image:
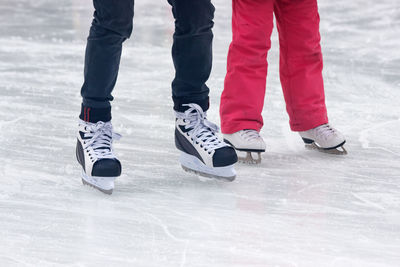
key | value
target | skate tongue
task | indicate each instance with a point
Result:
(195, 112)
(100, 138)
(200, 127)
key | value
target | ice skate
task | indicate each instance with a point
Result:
(203, 152)
(324, 138)
(249, 145)
(95, 154)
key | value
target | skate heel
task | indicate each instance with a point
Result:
(194, 165)
(307, 141)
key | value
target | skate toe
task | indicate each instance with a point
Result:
(107, 168)
(224, 156)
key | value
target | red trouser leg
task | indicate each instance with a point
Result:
(301, 63)
(242, 100)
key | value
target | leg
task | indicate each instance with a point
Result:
(111, 26)
(192, 52)
(301, 63)
(242, 100)
(201, 150)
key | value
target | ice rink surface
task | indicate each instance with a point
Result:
(298, 208)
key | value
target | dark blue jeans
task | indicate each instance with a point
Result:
(191, 52)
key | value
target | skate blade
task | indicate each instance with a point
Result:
(249, 159)
(108, 192)
(96, 183)
(208, 175)
(192, 164)
(340, 150)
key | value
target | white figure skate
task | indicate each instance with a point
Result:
(324, 138)
(247, 143)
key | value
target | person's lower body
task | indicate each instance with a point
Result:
(192, 56)
(300, 68)
(300, 64)
(191, 52)
(111, 26)
(201, 150)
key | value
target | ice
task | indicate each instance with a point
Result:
(298, 208)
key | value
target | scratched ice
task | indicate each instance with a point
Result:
(298, 208)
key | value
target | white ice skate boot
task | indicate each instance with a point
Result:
(94, 152)
(324, 138)
(247, 142)
(202, 151)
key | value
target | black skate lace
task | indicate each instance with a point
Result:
(99, 137)
(202, 131)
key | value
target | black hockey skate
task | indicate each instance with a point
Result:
(202, 151)
(95, 154)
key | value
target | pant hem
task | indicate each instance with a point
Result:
(301, 127)
(230, 128)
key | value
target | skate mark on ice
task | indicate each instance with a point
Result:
(364, 134)
(181, 199)
(169, 195)
(368, 202)
(14, 261)
(164, 227)
(4, 123)
(184, 253)
(313, 186)
(172, 236)
(212, 226)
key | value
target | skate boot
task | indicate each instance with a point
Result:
(202, 151)
(95, 154)
(247, 143)
(324, 138)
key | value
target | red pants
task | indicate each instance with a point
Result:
(300, 64)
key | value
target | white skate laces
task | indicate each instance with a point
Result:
(202, 130)
(99, 136)
(325, 132)
(248, 144)
(250, 135)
